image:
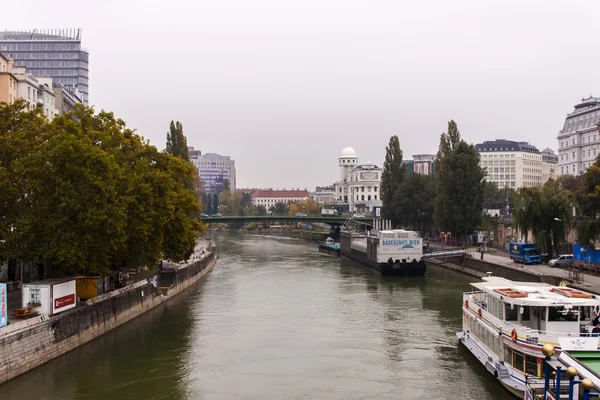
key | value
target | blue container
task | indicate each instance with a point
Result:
(586, 253)
(3, 305)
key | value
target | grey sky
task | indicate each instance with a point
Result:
(282, 86)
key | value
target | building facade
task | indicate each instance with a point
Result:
(324, 194)
(578, 140)
(511, 164)
(359, 184)
(422, 164)
(54, 53)
(46, 98)
(8, 81)
(549, 165)
(66, 98)
(270, 197)
(214, 169)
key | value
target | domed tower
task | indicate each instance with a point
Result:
(347, 162)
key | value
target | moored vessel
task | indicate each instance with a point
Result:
(390, 253)
(330, 247)
(507, 323)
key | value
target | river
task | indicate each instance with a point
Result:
(278, 320)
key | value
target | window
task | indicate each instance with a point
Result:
(512, 312)
(559, 314)
(508, 355)
(34, 296)
(531, 365)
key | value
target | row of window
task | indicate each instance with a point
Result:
(362, 197)
(275, 200)
(498, 155)
(589, 140)
(583, 152)
(50, 56)
(515, 358)
(501, 169)
(43, 46)
(498, 162)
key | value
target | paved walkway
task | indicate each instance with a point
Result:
(590, 282)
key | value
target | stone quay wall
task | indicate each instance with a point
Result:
(37, 343)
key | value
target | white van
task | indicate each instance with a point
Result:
(565, 260)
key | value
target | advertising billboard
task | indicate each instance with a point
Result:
(63, 296)
(3, 305)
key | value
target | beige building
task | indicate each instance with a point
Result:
(549, 165)
(8, 82)
(27, 86)
(512, 164)
(46, 98)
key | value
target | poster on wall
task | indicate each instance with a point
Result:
(3, 305)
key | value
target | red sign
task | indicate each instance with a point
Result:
(64, 301)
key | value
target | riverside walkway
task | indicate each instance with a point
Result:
(587, 281)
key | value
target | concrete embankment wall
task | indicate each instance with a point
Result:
(480, 268)
(34, 345)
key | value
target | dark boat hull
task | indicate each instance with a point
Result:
(416, 268)
(323, 248)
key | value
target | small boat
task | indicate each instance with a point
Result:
(330, 247)
(506, 325)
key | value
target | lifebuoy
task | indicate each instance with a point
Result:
(479, 313)
(467, 303)
(513, 334)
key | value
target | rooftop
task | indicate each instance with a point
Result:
(283, 193)
(42, 34)
(533, 293)
(505, 145)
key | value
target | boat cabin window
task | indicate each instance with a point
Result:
(511, 311)
(525, 313)
(585, 314)
(522, 362)
(560, 314)
(495, 307)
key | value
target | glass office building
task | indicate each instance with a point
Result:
(50, 53)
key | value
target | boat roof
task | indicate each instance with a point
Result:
(534, 293)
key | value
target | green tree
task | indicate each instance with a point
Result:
(495, 197)
(415, 201)
(261, 210)
(177, 142)
(460, 185)
(392, 177)
(93, 195)
(278, 208)
(226, 187)
(545, 211)
(588, 196)
(215, 203)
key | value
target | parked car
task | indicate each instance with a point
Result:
(217, 215)
(564, 260)
(300, 215)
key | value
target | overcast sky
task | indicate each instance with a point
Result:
(283, 86)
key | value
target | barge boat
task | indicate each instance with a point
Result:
(389, 253)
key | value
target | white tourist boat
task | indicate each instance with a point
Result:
(506, 323)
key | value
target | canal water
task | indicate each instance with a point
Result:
(278, 320)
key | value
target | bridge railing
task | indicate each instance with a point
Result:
(445, 253)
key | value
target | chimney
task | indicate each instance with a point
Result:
(11, 62)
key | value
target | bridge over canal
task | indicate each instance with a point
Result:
(330, 220)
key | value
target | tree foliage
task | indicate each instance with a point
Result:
(415, 201)
(460, 185)
(278, 208)
(307, 206)
(392, 177)
(177, 142)
(83, 193)
(545, 211)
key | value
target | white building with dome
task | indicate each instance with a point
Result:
(359, 184)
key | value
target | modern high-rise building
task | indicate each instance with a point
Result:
(578, 141)
(50, 53)
(213, 170)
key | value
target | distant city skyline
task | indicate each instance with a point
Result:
(282, 87)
